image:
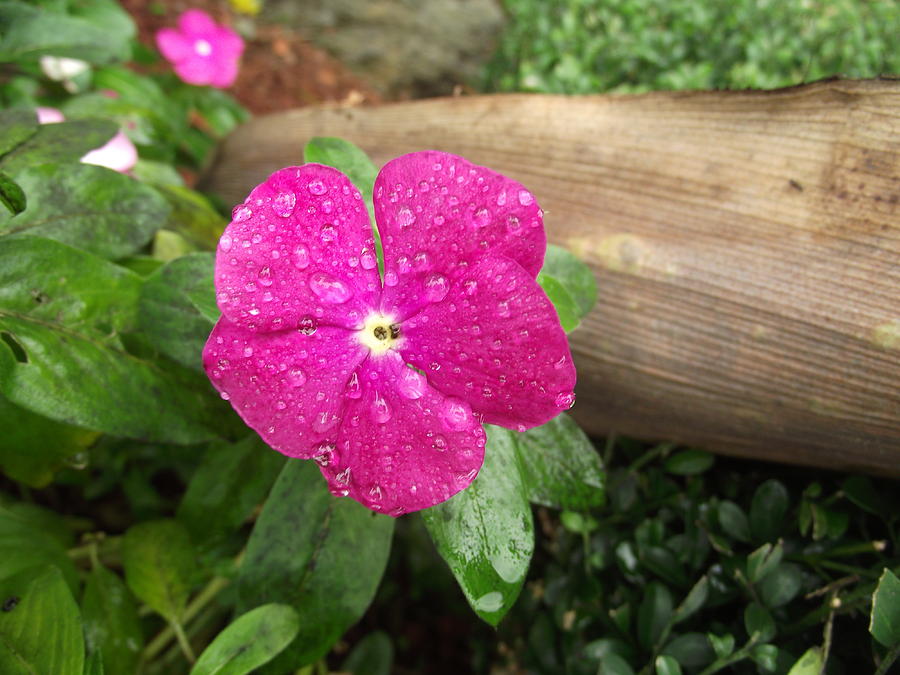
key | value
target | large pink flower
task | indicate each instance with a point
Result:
(201, 51)
(386, 383)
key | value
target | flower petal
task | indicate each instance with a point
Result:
(435, 211)
(297, 253)
(173, 45)
(197, 70)
(289, 386)
(495, 341)
(403, 446)
(227, 43)
(196, 22)
(226, 72)
(119, 154)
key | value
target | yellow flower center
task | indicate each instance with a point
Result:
(379, 334)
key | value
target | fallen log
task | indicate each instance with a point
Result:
(746, 245)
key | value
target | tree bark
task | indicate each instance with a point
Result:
(746, 246)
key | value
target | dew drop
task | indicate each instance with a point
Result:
(225, 395)
(455, 414)
(564, 400)
(317, 188)
(525, 198)
(381, 411)
(501, 199)
(482, 217)
(329, 289)
(503, 309)
(411, 385)
(367, 259)
(248, 351)
(375, 493)
(438, 220)
(265, 276)
(343, 478)
(296, 377)
(240, 213)
(328, 233)
(471, 286)
(436, 287)
(324, 421)
(225, 242)
(561, 363)
(390, 278)
(353, 388)
(301, 257)
(439, 442)
(307, 325)
(513, 226)
(281, 405)
(405, 217)
(324, 454)
(327, 206)
(283, 204)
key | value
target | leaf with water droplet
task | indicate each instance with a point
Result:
(486, 533)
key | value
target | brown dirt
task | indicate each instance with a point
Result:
(279, 70)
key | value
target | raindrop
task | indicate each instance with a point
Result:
(381, 411)
(343, 478)
(439, 442)
(327, 206)
(525, 198)
(307, 325)
(329, 289)
(281, 405)
(225, 242)
(353, 388)
(513, 226)
(301, 257)
(324, 454)
(283, 204)
(248, 351)
(225, 395)
(328, 233)
(482, 217)
(296, 377)
(375, 493)
(424, 186)
(265, 276)
(367, 259)
(405, 217)
(324, 421)
(501, 199)
(390, 278)
(438, 220)
(503, 309)
(240, 213)
(471, 286)
(411, 385)
(436, 287)
(317, 187)
(455, 414)
(564, 400)
(561, 363)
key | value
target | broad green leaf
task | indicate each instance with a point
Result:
(159, 565)
(373, 655)
(560, 466)
(232, 480)
(809, 664)
(249, 641)
(723, 645)
(758, 622)
(733, 521)
(89, 207)
(485, 533)
(654, 613)
(28, 32)
(766, 657)
(781, 585)
(322, 555)
(694, 600)
(167, 314)
(112, 626)
(768, 511)
(576, 277)
(613, 664)
(53, 143)
(33, 448)
(689, 462)
(11, 195)
(667, 665)
(345, 157)
(43, 520)
(192, 216)
(221, 112)
(93, 664)
(17, 125)
(23, 544)
(862, 491)
(40, 629)
(563, 303)
(884, 623)
(691, 650)
(62, 312)
(763, 560)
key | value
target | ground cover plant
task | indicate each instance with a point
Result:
(145, 528)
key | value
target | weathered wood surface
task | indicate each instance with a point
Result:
(746, 244)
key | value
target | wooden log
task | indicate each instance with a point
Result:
(746, 245)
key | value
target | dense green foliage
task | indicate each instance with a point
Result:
(593, 46)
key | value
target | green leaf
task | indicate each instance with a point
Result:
(691, 650)
(373, 655)
(723, 645)
(159, 565)
(613, 664)
(560, 466)
(24, 544)
(17, 125)
(192, 216)
(694, 600)
(55, 143)
(764, 560)
(758, 622)
(654, 613)
(249, 641)
(11, 195)
(766, 657)
(563, 303)
(112, 626)
(93, 664)
(862, 491)
(345, 157)
(689, 462)
(232, 480)
(168, 315)
(89, 207)
(40, 629)
(768, 511)
(485, 533)
(576, 277)
(884, 623)
(810, 663)
(28, 32)
(322, 555)
(667, 665)
(733, 521)
(62, 312)
(781, 585)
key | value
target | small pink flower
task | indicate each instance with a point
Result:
(386, 383)
(201, 51)
(118, 154)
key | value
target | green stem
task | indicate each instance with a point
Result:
(659, 451)
(734, 657)
(183, 641)
(888, 660)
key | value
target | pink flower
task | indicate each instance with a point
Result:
(386, 384)
(118, 154)
(201, 51)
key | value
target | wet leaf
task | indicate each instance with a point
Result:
(758, 622)
(11, 195)
(768, 511)
(809, 664)
(25, 544)
(112, 626)
(781, 585)
(250, 641)
(654, 613)
(55, 143)
(691, 650)
(667, 665)
(373, 655)
(733, 521)
(16, 126)
(884, 624)
(485, 533)
(573, 275)
(322, 555)
(689, 462)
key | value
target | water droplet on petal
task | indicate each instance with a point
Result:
(343, 478)
(225, 242)
(324, 454)
(561, 363)
(482, 217)
(381, 411)
(513, 226)
(265, 276)
(317, 187)
(405, 217)
(281, 405)
(564, 400)
(439, 442)
(329, 289)
(301, 257)
(328, 233)
(525, 198)
(375, 493)
(503, 309)
(391, 278)
(240, 213)
(248, 351)
(456, 414)
(296, 377)
(283, 204)
(367, 259)
(411, 385)
(225, 395)
(436, 287)
(438, 220)
(327, 206)
(501, 199)
(324, 421)
(307, 325)
(353, 388)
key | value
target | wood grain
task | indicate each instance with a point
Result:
(746, 245)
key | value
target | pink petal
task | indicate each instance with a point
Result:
(289, 386)
(49, 115)
(298, 253)
(402, 445)
(495, 341)
(227, 42)
(173, 45)
(197, 70)
(119, 154)
(225, 73)
(196, 22)
(436, 211)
